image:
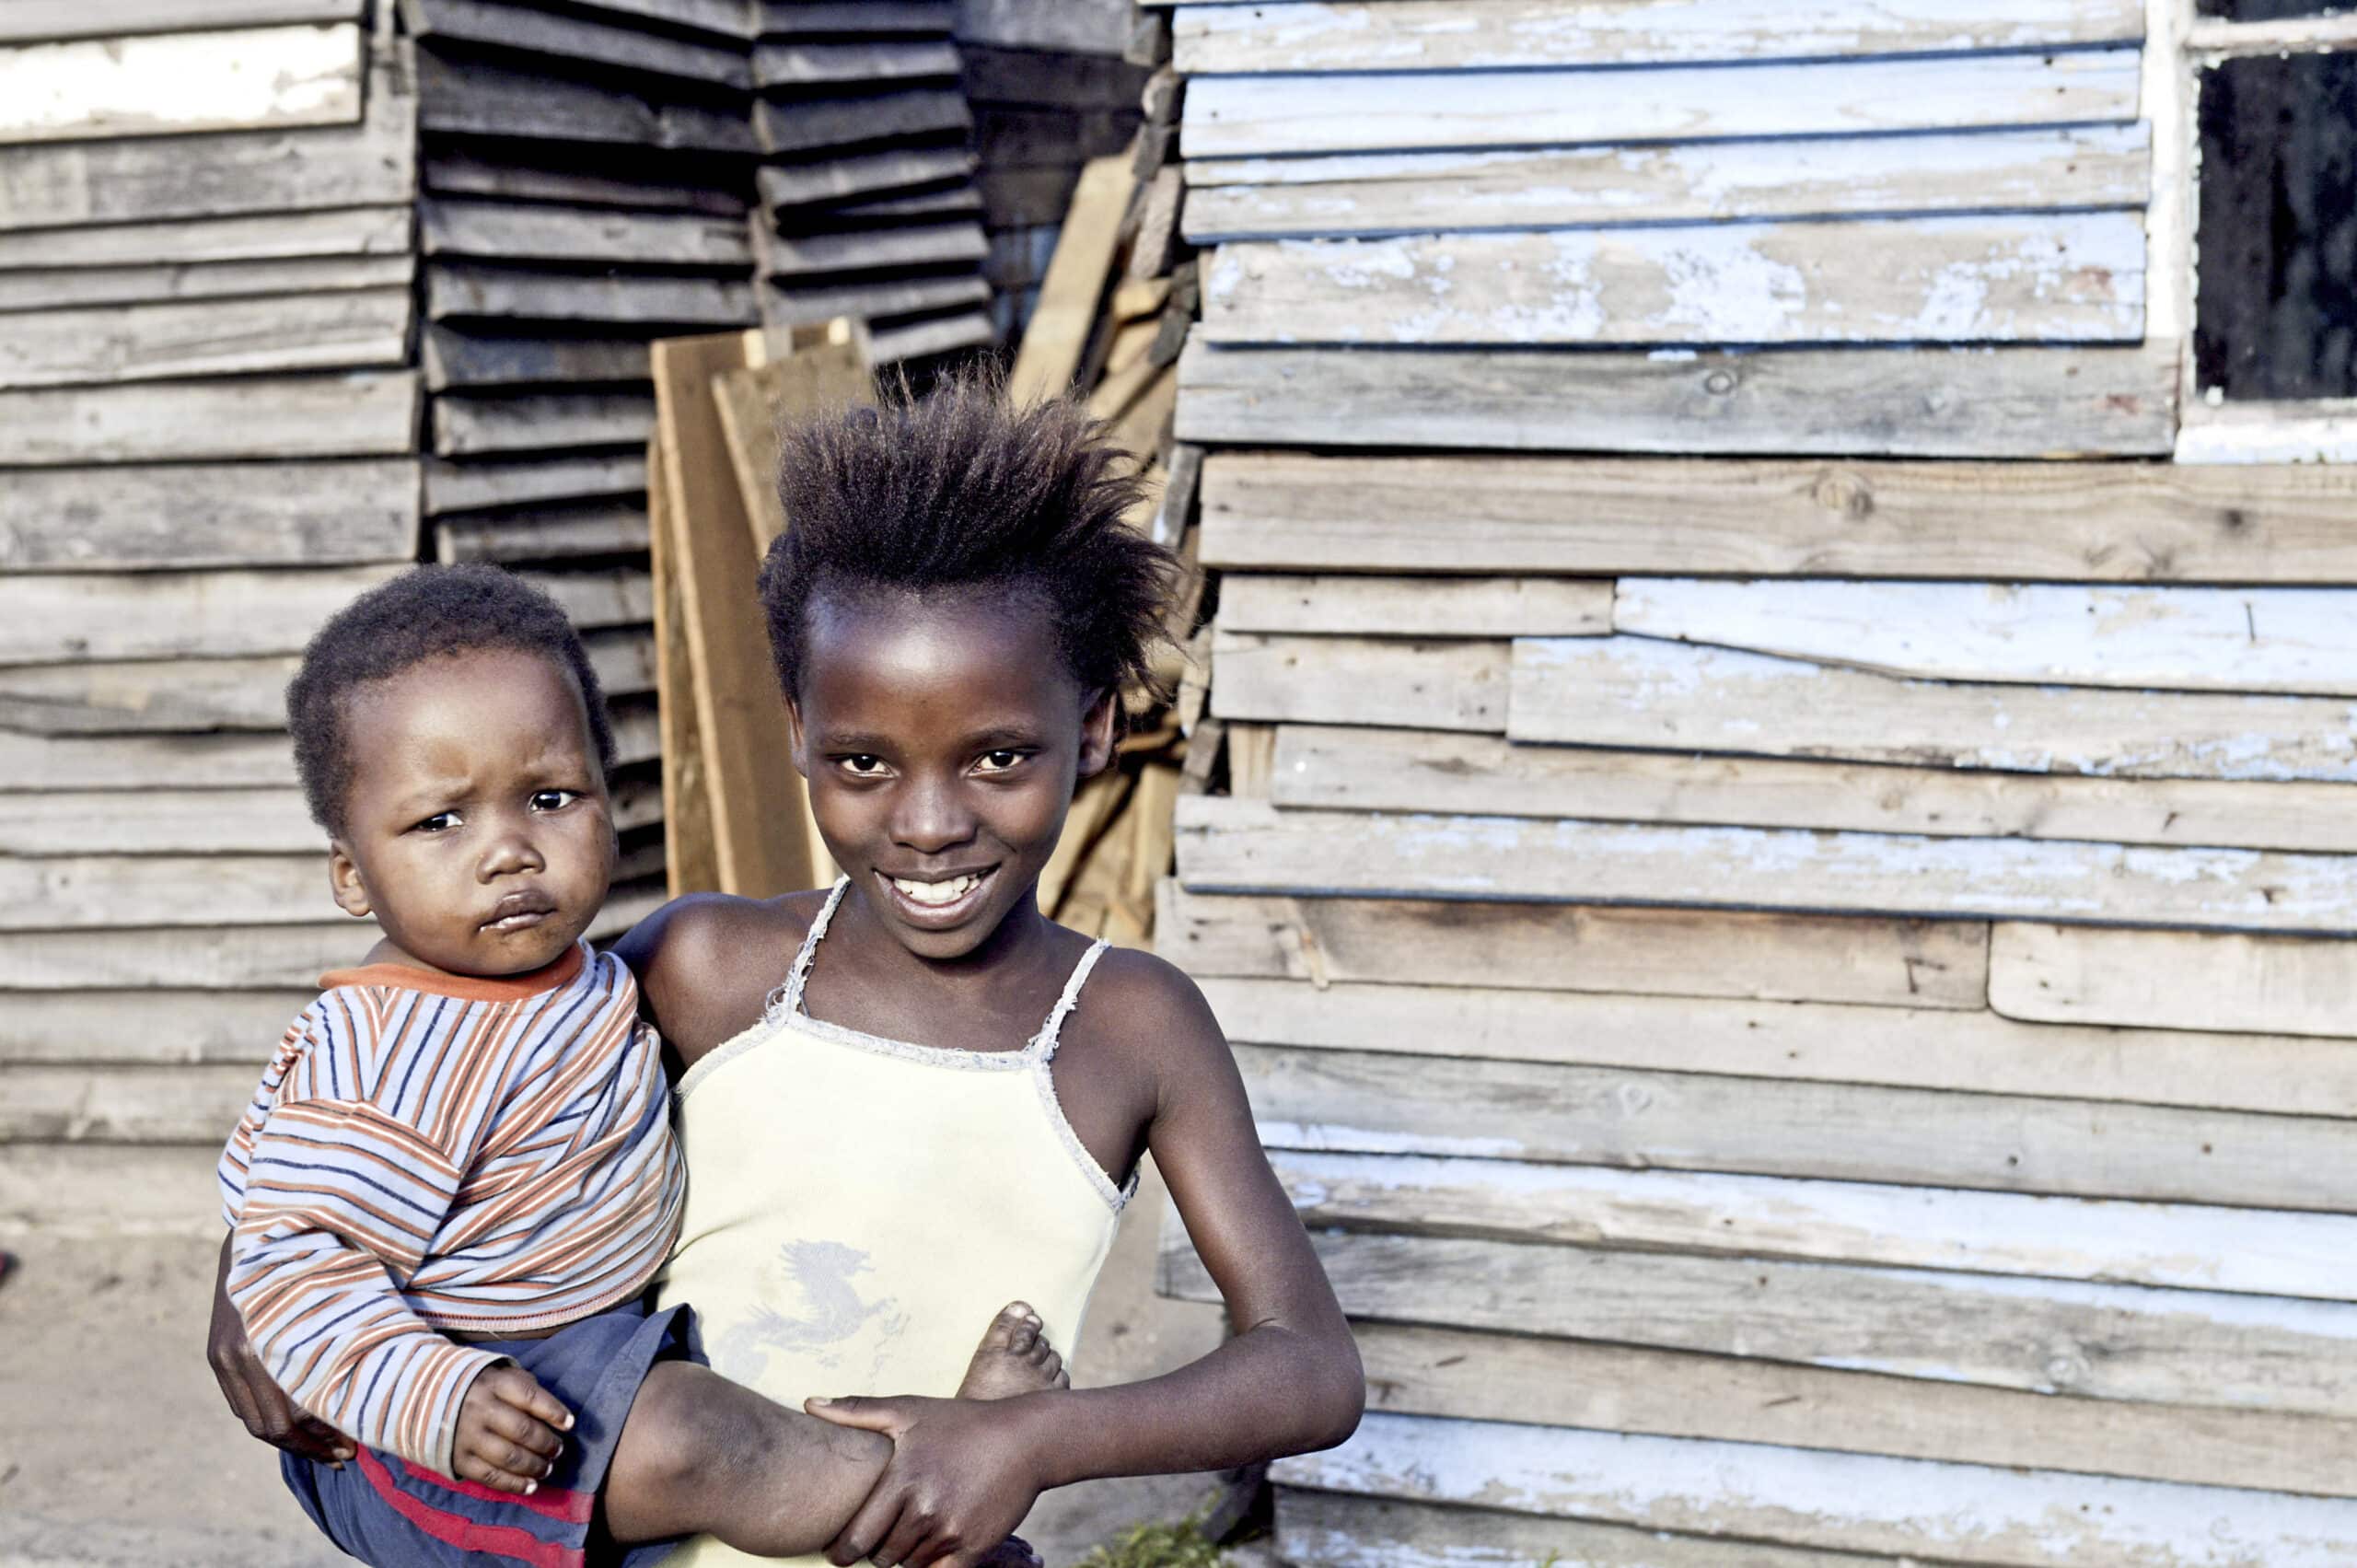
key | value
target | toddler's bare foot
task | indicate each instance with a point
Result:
(1015, 1357)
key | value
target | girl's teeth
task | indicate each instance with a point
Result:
(948, 892)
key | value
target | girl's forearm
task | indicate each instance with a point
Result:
(1269, 1392)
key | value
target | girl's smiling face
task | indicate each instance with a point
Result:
(942, 736)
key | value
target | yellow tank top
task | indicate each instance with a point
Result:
(858, 1208)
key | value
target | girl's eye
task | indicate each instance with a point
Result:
(554, 799)
(1000, 762)
(864, 765)
(440, 822)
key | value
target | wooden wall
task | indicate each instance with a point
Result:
(1784, 889)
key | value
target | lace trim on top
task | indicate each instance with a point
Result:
(786, 1007)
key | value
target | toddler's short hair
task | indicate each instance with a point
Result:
(960, 490)
(428, 613)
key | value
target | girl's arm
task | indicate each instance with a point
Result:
(1288, 1382)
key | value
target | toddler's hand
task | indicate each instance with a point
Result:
(508, 1430)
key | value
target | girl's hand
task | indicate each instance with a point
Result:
(253, 1397)
(961, 1478)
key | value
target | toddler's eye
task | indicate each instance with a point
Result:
(440, 822)
(1000, 762)
(554, 799)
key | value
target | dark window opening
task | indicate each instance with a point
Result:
(2269, 10)
(2275, 313)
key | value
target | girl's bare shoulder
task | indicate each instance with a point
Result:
(707, 963)
(1138, 1003)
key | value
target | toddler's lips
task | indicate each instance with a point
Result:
(521, 912)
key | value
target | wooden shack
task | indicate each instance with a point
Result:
(294, 292)
(1785, 882)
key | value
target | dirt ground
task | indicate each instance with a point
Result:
(115, 1447)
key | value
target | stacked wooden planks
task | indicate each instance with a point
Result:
(1053, 83)
(1802, 990)
(869, 205)
(586, 172)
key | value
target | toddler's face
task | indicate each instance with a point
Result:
(477, 828)
(941, 737)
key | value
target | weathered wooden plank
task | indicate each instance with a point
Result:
(2024, 402)
(811, 125)
(759, 850)
(159, 696)
(122, 517)
(514, 176)
(550, 535)
(63, 617)
(220, 337)
(1373, 194)
(149, 1026)
(1456, 685)
(1328, 1529)
(2061, 278)
(1057, 338)
(135, 762)
(808, 307)
(1416, 607)
(800, 64)
(2174, 980)
(1444, 1372)
(149, 179)
(576, 37)
(1637, 691)
(462, 487)
(168, 820)
(924, 337)
(260, 237)
(307, 417)
(30, 21)
(175, 84)
(690, 857)
(1074, 27)
(2013, 522)
(1226, 845)
(507, 232)
(834, 180)
(2101, 1340)
(463, 289)
(1920, 1508)
(1386, 1200)
(827, 19)
(227, 958)
(1567, 947)
(1458, 35)
(1048, 78)
(1234, 116)
(61, 289)
(1973, 1052)
(95, 892)
(1369, 1102)
(722, 18)
(466, 426)
(929, 245)
(471, 98)
(184, 1103)
(497, 353)
(2292, 639)
(1349, 767)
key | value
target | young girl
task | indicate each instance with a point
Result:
(910, 1098)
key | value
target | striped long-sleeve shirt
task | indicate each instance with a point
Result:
(438, 1152)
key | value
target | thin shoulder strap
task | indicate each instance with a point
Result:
(1045, 1041)
(787, 998)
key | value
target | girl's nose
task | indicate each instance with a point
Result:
(931, 817)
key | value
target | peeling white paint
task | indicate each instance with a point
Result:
(181, 81)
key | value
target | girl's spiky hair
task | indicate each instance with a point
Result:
(959, 489)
